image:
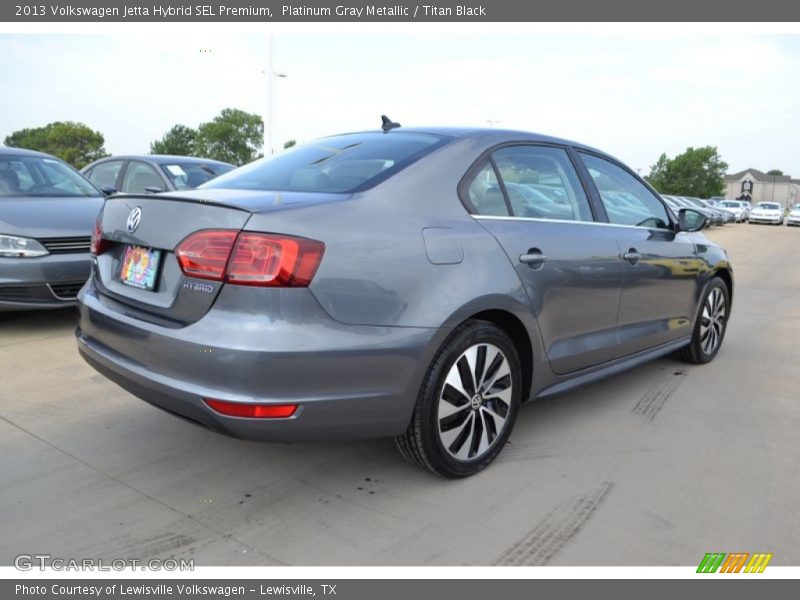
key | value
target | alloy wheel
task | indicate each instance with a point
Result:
(712, 321)
(475, 401)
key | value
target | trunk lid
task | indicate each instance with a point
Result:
(165, 220)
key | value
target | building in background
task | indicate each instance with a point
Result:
(757, 186)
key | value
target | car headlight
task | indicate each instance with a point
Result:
(12, 246)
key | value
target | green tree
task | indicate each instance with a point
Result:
(180, 140)
(74, 143)
(289, 144)
(777, 172)
(234, 136)
(697, 172)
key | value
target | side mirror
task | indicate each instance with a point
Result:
(152, 189)
(691, 220)
(108, 190)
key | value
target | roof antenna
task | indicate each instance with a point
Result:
(387, 124)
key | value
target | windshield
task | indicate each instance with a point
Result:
(187, 176)
(769, 205)
(36, 177)
(730, 204)
(345, 163)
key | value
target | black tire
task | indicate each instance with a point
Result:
(422, 443)
(698, 352)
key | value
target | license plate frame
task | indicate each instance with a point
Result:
(139, 267)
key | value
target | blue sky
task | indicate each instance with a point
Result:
(633, 95)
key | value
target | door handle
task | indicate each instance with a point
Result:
(632, 256)
(533, 258)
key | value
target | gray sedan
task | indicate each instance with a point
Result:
(415, 283)
(47, 212)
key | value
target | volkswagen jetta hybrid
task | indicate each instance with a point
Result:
(397, 283)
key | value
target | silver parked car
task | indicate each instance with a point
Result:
(47, 211)
(793, 218)
(767, 212)
(152, 173)
(416, 283)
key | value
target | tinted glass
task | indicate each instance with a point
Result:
(626, 199)
(139, 176)
(485, 194)
(343, 163)
(105, 173)
(542, 183)
(186, 176)
(37, 177)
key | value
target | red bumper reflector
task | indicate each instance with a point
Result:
(252, 411)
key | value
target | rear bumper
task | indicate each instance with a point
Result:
(40, 283)
(349, 381)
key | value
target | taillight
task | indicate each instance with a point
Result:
(252, 411)
(99, 245)
(274, 260)
(246, 258)
(205, 254)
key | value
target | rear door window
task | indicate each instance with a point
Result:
(106, 174)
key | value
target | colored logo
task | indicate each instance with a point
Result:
(737, 562)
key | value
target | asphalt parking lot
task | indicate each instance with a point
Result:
(656, 466)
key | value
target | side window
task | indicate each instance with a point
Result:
(485, 194)
(626, 200)
(541, 183)
(139, 177)
(105, 173)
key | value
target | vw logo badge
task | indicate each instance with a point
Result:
(133, 219)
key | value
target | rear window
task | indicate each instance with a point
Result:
(346, 163)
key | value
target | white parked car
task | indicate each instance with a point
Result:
(767, 212)
(793, 218)
(735, 207)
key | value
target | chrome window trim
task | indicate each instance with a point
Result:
(569, 221)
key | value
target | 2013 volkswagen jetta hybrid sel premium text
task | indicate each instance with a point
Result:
(416, 283)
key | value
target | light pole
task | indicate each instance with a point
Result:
(272, 77)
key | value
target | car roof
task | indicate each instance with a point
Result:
(482, 133)
(9, 151)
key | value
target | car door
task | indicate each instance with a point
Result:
(531, 199)
(142, 178)
(661, 266)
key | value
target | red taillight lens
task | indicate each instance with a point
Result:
(99, 245)
(245, 258)
(274, 260)
(205, 254)
(252, 411)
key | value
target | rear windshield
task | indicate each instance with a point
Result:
(346, 163)
(186, 176)
(37, 176)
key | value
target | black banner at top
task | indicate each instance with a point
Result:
(445, 11)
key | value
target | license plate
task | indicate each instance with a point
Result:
(139, 267)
